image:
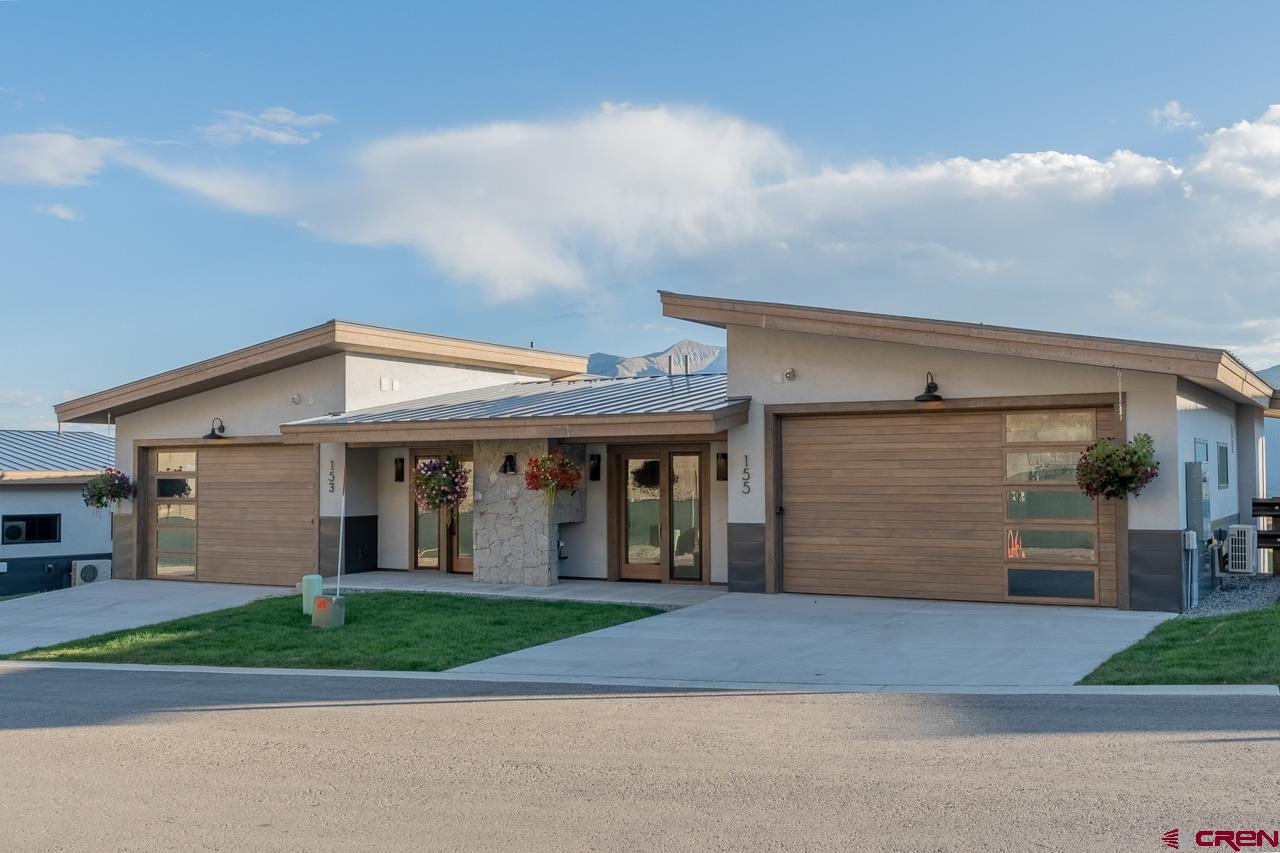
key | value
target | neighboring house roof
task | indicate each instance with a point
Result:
(1216, 369)
(332, 337)
(632, 405)
(29, 455)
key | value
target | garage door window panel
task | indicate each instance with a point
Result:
(174, 535)
(1050, 583)
(1059, 427)
(1041, 504)
(1044, 545)
(1056, 465)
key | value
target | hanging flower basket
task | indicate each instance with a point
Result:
(107, 488)
(1108, 470)
(439, 484)
(551, 474)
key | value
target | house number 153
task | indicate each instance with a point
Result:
(746, 475)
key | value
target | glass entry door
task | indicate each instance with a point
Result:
(662, 504)
(442, 540)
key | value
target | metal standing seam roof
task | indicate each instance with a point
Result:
(630, 395)
(48, 450)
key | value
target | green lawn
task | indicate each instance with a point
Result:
(15, 595)
(1243, 648)
(384, 630)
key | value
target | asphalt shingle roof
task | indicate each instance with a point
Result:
(47, 450)
(630, 395)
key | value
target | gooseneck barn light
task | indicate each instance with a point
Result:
(216, 428)
(930, 394)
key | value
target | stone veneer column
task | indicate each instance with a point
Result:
(515, 533)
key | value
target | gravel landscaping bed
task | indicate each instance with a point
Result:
(1238, 595)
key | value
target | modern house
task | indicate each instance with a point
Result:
(45, 526)
(811, 467)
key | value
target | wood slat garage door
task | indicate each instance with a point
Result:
(914, 506)
(257, 508)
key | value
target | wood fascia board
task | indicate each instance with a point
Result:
(1215, 368)
(375, 340)
(236, 366)
(960, 404)
(36, 478)
(309, 344)
(594, 426)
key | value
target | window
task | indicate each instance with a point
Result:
(1224, 466)
(176, 460)
(1048, 505)
(1052, 546)
(31, 529)
(1042, 466)
(1054, 427)
(1202, 451)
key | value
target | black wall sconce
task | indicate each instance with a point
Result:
(508, 464)
(930, 394)
(216, 429)
(722, 466)
(399, 469)
(593, 466)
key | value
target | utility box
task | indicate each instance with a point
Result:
(329, 611)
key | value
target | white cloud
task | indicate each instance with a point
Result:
(18, 397)
(1125, 244)
(52, 159)
(1173, 117)
(277, 125)
(1245, 156)
(59, 211)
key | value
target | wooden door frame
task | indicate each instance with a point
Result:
(616, 505)
(775, 413)
(463, 453)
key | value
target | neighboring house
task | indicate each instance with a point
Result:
(44, 524)
(810, 467)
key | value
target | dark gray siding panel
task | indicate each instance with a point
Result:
(1155, 570)
(361, 545)
(746, 557)
(40, 574)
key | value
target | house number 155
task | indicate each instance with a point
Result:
(746, 475)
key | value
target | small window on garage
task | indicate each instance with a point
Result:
(31, 529)
(1224, 465)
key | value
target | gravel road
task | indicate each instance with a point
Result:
(99, 760)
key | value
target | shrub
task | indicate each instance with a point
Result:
(1108, 470)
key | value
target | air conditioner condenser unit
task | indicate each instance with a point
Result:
(1242, 550)
(90, 571)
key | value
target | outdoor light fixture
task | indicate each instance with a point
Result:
(508, 464)
(216, 428)
(593, 467)
(930, 394)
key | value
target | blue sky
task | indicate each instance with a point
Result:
(178, 181)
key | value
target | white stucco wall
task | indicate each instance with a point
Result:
(84, 531)
(254, 406)
(393, 509)
(413, 380)
(1211, 418)
(833, 369)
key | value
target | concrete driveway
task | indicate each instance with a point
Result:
(841, 643)
(82, 611)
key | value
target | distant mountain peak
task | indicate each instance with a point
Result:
(702, 358)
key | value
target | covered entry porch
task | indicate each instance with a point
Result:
(651, 506)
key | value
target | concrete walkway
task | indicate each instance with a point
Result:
(613, 592)
(82, 611)
(794, 641)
